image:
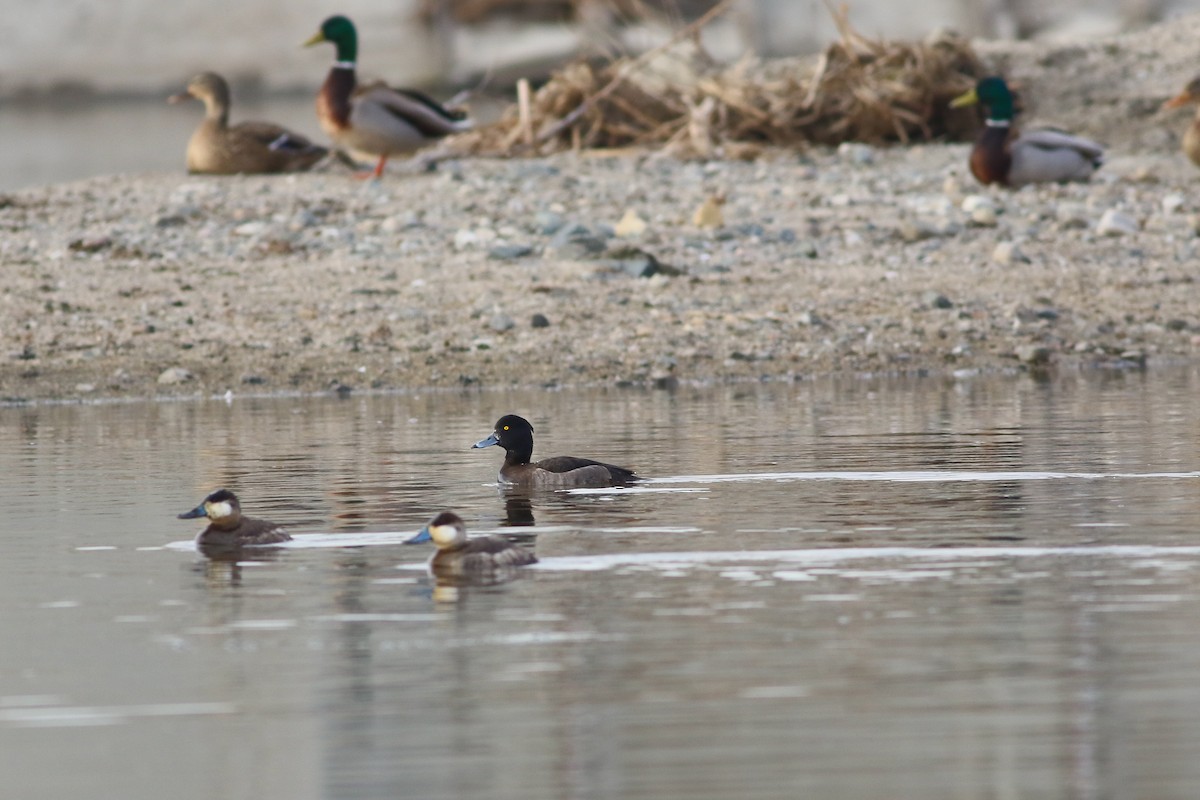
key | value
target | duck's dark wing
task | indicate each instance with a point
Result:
(496, 552)
(260, 531)
(564, 464)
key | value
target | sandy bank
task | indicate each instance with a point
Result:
(866, 260)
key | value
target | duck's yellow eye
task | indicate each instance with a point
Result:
(505, 427)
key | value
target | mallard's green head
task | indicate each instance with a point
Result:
(993, 94)
(340, 31)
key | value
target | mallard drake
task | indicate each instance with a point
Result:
(1003, 156)
(515, 435)
(228, 529)
(218, 148)
(480, 557)
(375, 120)
(1191, 137)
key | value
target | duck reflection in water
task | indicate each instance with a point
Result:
(221, 568)
(470, 561)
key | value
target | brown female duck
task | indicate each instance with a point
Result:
(218, 148)
(228, 529)
(375, 120)
(1191, 137)
(479, 557)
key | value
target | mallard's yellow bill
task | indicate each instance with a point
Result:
(968, 98)
(316, 38)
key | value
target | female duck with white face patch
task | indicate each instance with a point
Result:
(227, 527)
(485, 559)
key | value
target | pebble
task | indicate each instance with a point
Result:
(639, 263)
(250, 228)
(709, 215)
(468, 238)
(501, 323)
(1072, 216)
(938, 300)
(172, 376)
(575, 240)
(856, 153)
(547, 223)
(539, 321)
(980, 210)
(1172, 203)
(509, 252)
(973, 202)
(1116, 223)
(1034, 355)
(1009, 253)
(630, 226)
(917, 230)
(983, 217)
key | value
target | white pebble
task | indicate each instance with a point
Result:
(1116, 223)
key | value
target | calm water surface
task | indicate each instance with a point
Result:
(977, 589)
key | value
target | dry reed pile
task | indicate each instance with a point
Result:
(860, 89)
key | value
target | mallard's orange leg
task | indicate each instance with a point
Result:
(374, 174)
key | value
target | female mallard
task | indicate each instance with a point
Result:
(1191, 137)
(218, 148)
(484, 558)
(375, 119)
(1002, 156)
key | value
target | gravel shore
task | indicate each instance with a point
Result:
(605, 268)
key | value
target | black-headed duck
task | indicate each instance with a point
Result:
(470, 557)
(1003, 156)
(218, 148)
(375, 120)
(1191, 137)
(227, 528)
(515, 435)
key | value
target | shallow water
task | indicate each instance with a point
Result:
(851, 589)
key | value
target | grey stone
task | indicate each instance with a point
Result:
(921, 229)
(856, 153)
(1071, 216)
(501, 323)
(509, 252)
(548, 223)
(1116, 223)
(938, 300)
(174, 375)
(1034, 355)
(1008, 253)
(539, 321)
(575, 240)
(639, 263)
